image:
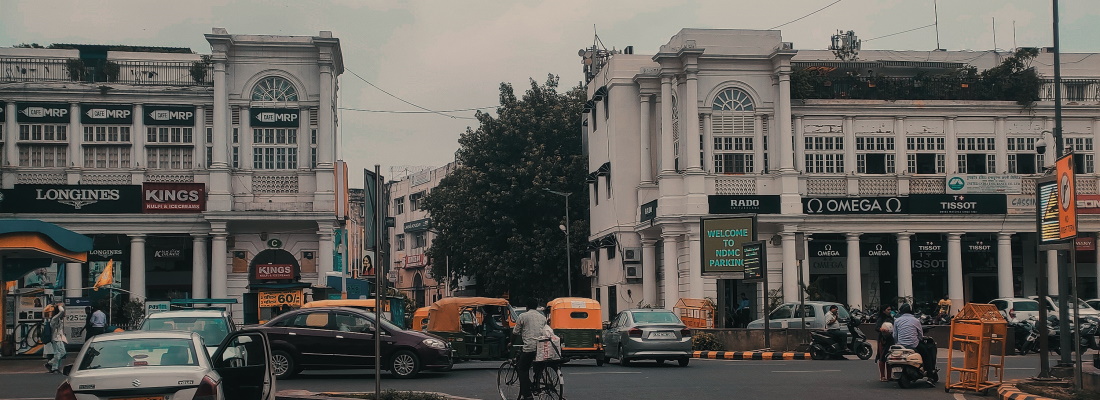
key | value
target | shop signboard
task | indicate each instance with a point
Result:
(75, 316)
(275, 117)
(1085, 243)
(722, 243)
(158, 197)
(415, 260)
(419, 225)
(877, 250)
(828, 249)
(855, 205)
(977, 247)
(1087, 204)
(156, 306)
(1024, 204)
(984, 184)
(929, 248)
(943, 204)
(744, 204)
(648, 211)
(106, 114)
(276, 298)
(755, 259)
(42, 113)
(274, 272)
(169, 115)
(1057, 204)
(72, 199)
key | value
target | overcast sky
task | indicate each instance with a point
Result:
(453, 54)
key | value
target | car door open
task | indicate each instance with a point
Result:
(244, 362)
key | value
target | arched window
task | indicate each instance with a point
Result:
(274, 88)
(733, 127)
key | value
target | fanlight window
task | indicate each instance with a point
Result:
(274, 89)
(733, 100)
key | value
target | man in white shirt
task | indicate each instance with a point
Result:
(529, 327)
(97, 323)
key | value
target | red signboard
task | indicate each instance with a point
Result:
(415, 260)
(270, 272)
(1085, 243)
(173, 197)
(1088, 204)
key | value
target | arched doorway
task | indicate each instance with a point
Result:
(418, 289)
(274, 285)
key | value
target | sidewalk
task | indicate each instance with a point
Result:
(24, 365)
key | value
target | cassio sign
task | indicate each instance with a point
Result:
(1088, 204)
(275, 117)
(173, 197)
(271, 272)
(855, 205)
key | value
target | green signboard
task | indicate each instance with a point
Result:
(722, 241)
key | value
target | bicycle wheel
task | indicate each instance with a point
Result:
(551, 385)
(508, 381)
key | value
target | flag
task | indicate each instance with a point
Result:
(106, 277)
(59, 281)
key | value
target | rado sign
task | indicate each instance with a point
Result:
(855, 205)
(727, 204)
(75, 199)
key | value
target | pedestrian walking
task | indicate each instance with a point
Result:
(58, 340)
(529, 326)
(885, 326)
(97, 323)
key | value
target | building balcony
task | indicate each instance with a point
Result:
(131, 72)
(866, 185)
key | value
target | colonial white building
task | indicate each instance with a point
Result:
(879, 161)
(197, 175)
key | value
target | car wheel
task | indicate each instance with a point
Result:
(865, 352)
(282, 363)
(622, 357)
(683, 362)
(404, 364)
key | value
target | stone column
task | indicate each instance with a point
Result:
(324, 253)
(955, 270)
(137, 267)
(11, 136)
(799, 143)
(1001, 139)
(951, 149)
(326, 135)
(905, 266)
(1096, 157)
(137, 153)
(708, 144)
(668, 156)
(645, 167)
(76, 138)
(695, 262)
(849, 145)
(671, 270)
(1052, 271)
(790, 265)
(199, 277)
(218, 271)
(806, 264)
(690, 139)
(649, 272)
(783, 120)
(855, 280)
(221, 115)
(1004, 265)
(759, 140)
(73, 280)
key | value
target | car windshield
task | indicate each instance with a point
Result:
(1069, 300)
(212, 329)
(387, 324)
(139, 352)
(654, 317)
(1025, 306)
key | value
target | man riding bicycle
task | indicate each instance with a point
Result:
(529, 326)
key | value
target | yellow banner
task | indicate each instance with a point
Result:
(277, 298)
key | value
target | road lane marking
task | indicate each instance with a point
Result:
(810, 371)
(602, 373)
(959, 396)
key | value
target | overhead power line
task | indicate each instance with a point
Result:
(415, 112)
(807, 15)
(898, 33)
(426, 110)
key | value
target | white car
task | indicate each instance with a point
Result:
(1017, 308)
(212, 325)
(1086, 310)
(170, 365)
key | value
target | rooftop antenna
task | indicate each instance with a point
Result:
(994, 34)
(594, 57)
(1014, 35)
(936, 10)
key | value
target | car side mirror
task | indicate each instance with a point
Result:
(67, 369)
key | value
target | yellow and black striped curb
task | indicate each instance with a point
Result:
(752, 355)
(1008, 391)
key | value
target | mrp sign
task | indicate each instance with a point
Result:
(42, 112)
(275, 117)
(106, 114)
(723, 242)
(170, 115)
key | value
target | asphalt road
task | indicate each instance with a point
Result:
(703, 379)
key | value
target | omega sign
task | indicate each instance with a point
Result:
(271, 272)
(855, 205)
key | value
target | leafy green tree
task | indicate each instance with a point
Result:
(495, 220)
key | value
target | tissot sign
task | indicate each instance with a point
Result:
(104, 114)
(72, 199)
(170, 115)
(173, 197)
(42, 112)
(855, 205)
(275, 117)
(728, 204)
(958, 204)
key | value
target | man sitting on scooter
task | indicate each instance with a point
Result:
(832, 327)
(908, 332)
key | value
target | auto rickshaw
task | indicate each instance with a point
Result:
(578, 322)
(478, 328)
(420, 319)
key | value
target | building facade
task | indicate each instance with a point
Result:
(201, 176)
(411, 235)
(903, 181)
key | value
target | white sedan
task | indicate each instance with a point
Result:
(141, 365)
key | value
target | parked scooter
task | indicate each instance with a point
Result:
(823, 346)
(1027, 335)
(907, 366)
(1088, 329)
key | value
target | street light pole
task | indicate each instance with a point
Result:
(568, 257)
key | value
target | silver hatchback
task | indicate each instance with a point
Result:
(647, 334)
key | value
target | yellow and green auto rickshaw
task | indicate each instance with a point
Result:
(478, 328)
(420, 319)
(578, 322)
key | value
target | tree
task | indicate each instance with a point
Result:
(495, 221)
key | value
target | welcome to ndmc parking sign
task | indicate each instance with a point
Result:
(722, 243)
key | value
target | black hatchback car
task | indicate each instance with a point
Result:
(341, 338)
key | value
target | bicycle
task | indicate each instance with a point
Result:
(549, 385)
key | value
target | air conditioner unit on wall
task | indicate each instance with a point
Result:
(632, 255)
(632, 272)
(588, 268)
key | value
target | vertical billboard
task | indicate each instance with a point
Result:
(722, 242)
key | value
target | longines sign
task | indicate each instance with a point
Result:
(74, 199)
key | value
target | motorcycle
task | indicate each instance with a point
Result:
(823, 346)
(907, 366)
(1088, 330)
(1027, 335)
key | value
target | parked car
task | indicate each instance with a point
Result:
(342, 337)
(647, 334)
(787, 315)
(170, 365)
(211, 324)
(1086, 310)
(1094, 303)
(1017, 308)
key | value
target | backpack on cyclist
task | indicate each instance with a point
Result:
(46, 336)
